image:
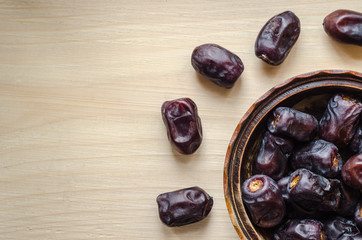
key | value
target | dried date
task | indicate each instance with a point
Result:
(356, 143)
(272, 157)
(318, 156)
(293, 123)
(183, 124)
(352, 171)
(340, 120)
(264, 201)
(344, 26)
(338, 227)
(348, 201)
(277, 37)
(301, 230)
(217, 64)
(358, 215)
(184, 206)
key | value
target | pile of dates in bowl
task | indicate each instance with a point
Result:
(293, 169)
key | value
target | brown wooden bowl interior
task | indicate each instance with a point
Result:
(308, 93)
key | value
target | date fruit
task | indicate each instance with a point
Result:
(217, 64)
(318, 156)
(301, 230)
(264, 201)
(314, 192)
(183, 124)
(352, 171)
(184, 206)
(277, 37)
(344, 26)
(337, 227)
(340, 120)
(272, 157)
(293, 123)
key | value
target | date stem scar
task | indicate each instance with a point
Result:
(255, 185)
(294, 181)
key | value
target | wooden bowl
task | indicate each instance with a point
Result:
(308, 93)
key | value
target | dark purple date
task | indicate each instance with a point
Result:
(348, 201)
(318, 156)
(183, 124)
(184, 206)
(292, 123)
(358, 215)
(352, 171)
(277, 37)
(273, 156)
(314, 192)
(300, 230)
(217, 64)
(344, 26)
(340, 120)
(264, 201)
(356, 143)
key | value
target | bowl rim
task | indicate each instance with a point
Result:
(288, 84)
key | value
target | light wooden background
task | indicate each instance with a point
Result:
(83, 149)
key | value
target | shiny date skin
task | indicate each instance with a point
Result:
(348, 201)
(314, 192)
(293, 123)
(277, 37)
(318, 156)
(338, 227)
(352, 171)
(344, 26)
(183, 124)
(217, 64)
(304, 229)
(184, 206)
(340, 120)
(272, 157)
(263, 200)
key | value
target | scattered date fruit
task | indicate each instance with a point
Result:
(184, 206)
(183, 124)
(217, 64)
(264, 201)
(344, 26)
(277, 37)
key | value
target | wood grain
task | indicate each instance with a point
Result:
(83, 149)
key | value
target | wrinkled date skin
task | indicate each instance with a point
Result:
(336, 227)
(356, 143)
(340, 120)
(348, 201)
(273, 155)
(305, 229)
(352, 171)
(313, 192)
(293, 123)
(217, 64)
(347, 237)
(344, 26)
(277, 37)
(318, 156)
(184, 206)
(264, 201)
(183, 124)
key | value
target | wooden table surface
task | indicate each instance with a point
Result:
(83, 149)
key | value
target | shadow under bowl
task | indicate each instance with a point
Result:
(308, 93)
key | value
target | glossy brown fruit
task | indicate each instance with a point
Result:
(217, 64)
(344, 26)
(183, 124)
(277, 37)
(352, 172)
(305, 229)
(184, 206)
